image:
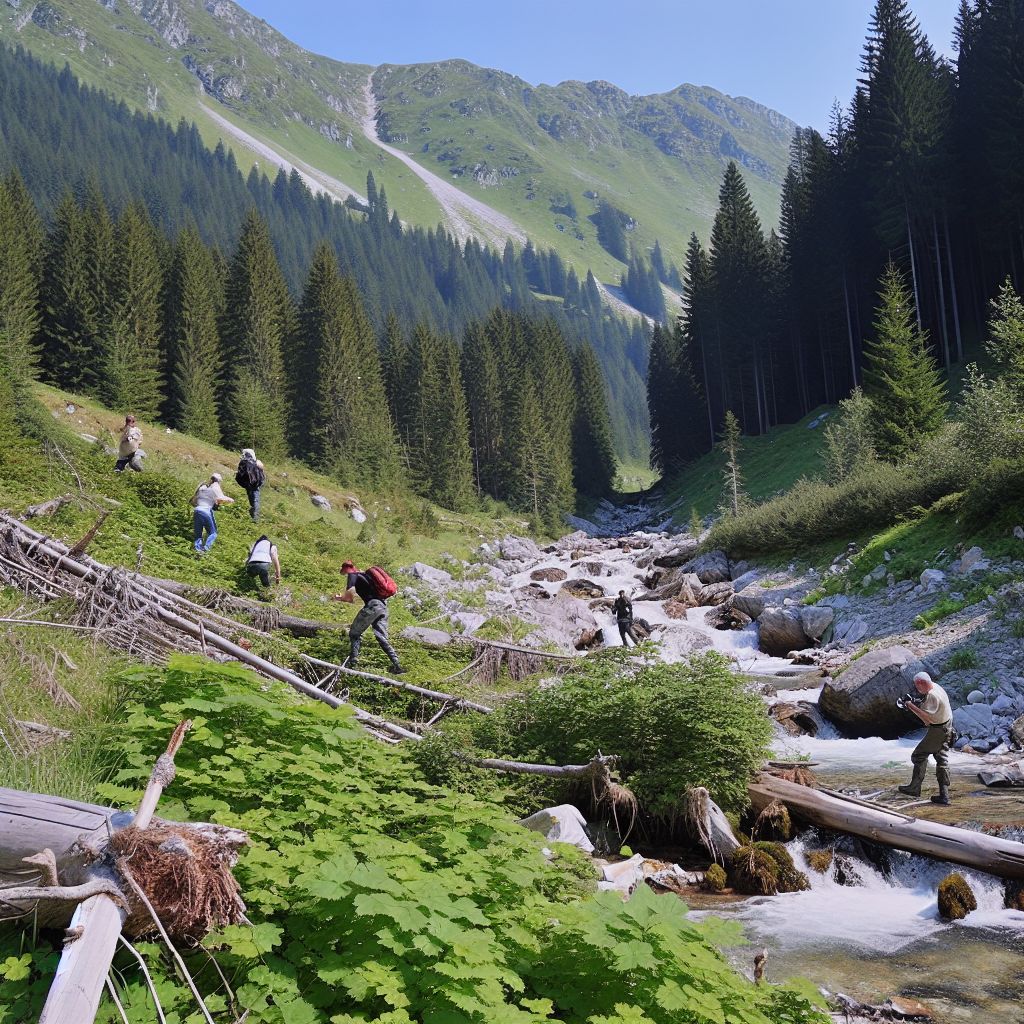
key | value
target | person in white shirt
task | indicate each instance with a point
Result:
(936, 713)
(129, 447)
(208, 497)
(263, 555)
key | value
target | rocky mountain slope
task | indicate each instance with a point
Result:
(540, 156)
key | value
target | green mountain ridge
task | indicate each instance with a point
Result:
(540, 156)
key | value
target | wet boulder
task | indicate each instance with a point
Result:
(711, 567)
(582, 588)
(956, 898)
(724, 616)
(714, 593)
(751, 603)
(797, 718)
(680, 554)
(780, 630)
(862, 699)
(550, 575)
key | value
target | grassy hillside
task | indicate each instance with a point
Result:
(525, 151)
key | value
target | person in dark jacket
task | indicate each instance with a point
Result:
(623, 609)
(251, 476)
(373, 614)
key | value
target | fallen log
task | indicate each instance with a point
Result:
(1001, 857)
(48, 508)
(592, 768)
(398, 684)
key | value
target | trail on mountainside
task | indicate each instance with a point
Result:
(317, 180)
(466, 216)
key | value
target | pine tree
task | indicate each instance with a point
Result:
(730, 444)
(131, 368)
(195, 301)
(1005, 342)
(905, 387)
(594, 466)
(393, 360)
(19, 287)
(481, 371)
(610, 232)
(258, 313)
(530, 457)
(452, 464)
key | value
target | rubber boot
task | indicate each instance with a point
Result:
(397, 670)
(913, 788)
(942, 797)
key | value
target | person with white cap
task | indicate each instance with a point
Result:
(207, 498)
(937, 715)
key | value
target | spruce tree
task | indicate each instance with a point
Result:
(393, 364)
(195, 302)
(452, 466)
(19, 287)
(481, 371)
(907, 393)
(258, 314)
(132, 362)
(594, 466)
(730, 444)
(530, 458)
(1005, 342)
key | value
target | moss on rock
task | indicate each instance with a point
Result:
(789, 879)
(754, 872)
(820, 861)
(715, 878)
(956, 898)
(1013, 896)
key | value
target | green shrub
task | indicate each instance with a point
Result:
(996, 495)
(956, 898)
(674, 726)
(813, 510)
(963, 659)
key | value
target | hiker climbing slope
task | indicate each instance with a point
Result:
(374, 586)
(250, 476)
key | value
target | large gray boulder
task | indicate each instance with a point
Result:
(519, 549)
(427, 573)
(780, 631)
(815, 620)
(711, 567)
(751, 603)
(715, 593)
(975, 721)
(862, 699)
(682, 553)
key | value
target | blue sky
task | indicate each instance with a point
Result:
(793, 55)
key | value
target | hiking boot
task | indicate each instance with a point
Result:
(909, 790)
(350, 663)
(397, 670)
(942, 797)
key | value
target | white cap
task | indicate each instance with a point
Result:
(215, 476)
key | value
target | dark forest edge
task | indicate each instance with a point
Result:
(921, 171)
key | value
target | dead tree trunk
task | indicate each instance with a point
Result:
(1001, 857)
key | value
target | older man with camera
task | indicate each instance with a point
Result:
(931, 704)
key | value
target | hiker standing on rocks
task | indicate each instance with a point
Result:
(250, 476)
(936, 713)
(623, 609)
(263, 555)
(374, 586)
(129, 452)
(208, 497)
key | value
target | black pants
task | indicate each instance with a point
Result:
(626, 629)
(261, 569)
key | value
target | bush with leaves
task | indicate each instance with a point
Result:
(674, 726)
(377, 896)
(850, 440)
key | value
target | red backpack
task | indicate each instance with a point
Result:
(381, 583)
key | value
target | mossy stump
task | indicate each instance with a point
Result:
(820, 861)
(956, 898)
(715, 878)
(765, 869)
(774, 823)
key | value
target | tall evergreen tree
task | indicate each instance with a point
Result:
(730, 445)
(195, 302)
(19, 285)
(1005, 342)
(258, 314)
(132, 362)
(906, 390)
(594, 466)
(481, 370)
(452, 465)
(393, 360)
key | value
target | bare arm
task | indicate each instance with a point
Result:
(277, 563)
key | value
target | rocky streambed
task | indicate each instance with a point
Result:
(830, 672)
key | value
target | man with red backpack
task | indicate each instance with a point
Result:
(374, 586)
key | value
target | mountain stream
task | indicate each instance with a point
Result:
(869, 941)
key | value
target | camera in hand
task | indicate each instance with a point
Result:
(910, 698)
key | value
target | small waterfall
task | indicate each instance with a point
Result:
(890, 910)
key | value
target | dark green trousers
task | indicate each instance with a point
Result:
(936, 743)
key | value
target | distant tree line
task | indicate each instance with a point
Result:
(64, 137)
(918, 188)
(169, 329)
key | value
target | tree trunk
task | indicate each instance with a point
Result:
(849, 331)
(952, 290)
(942, 293)
(1001, 857)
(913, 268)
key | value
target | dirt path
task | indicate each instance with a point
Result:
(466, 216)
(316, 180)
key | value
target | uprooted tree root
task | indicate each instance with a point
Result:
(773, 823)
(185, 875)
(620, 799)
(794, 773)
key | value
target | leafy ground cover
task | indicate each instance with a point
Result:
(375, 895)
